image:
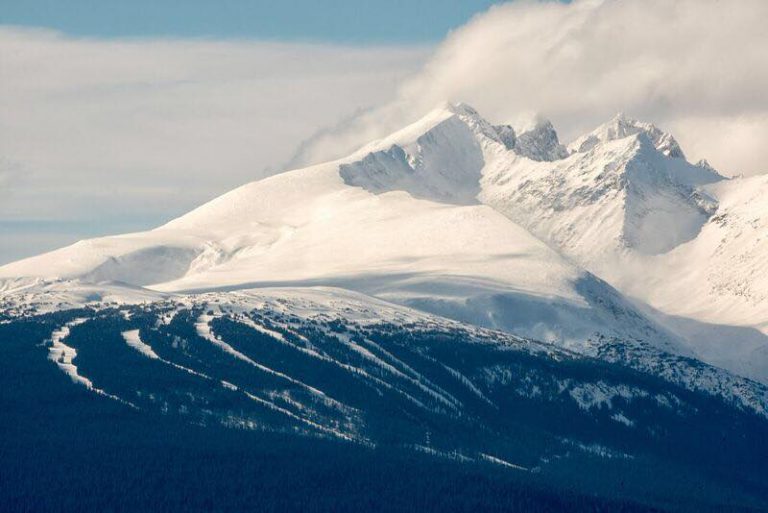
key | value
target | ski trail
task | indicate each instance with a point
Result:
(503, 463)
(63, 356)
(246, 321)
(347, 367)
(203, 328)
(133, 340)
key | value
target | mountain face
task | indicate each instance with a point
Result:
(622, 195)
(626, 206)
(457, 289)
(539, 142)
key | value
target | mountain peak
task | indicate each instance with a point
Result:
(540, 142)
(621, 126)
(439, 157)
(460, 109)
(537, 141)
(622, 119)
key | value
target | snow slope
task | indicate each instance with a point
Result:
(458, 217)
(714, 288)
(680, 237)
(399, 219)
(724, 270)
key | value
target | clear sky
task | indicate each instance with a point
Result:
(346, 21)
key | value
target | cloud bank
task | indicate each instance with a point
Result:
(698, 68)
(100, 136)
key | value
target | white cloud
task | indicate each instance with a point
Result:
(138, 131)
(146, 129)
(698, 68)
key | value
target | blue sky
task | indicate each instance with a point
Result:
(344, 21)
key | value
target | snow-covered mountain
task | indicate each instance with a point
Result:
(586, 315)
(461, 218)
(626, 205)
(399, 220)
(619, 192)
